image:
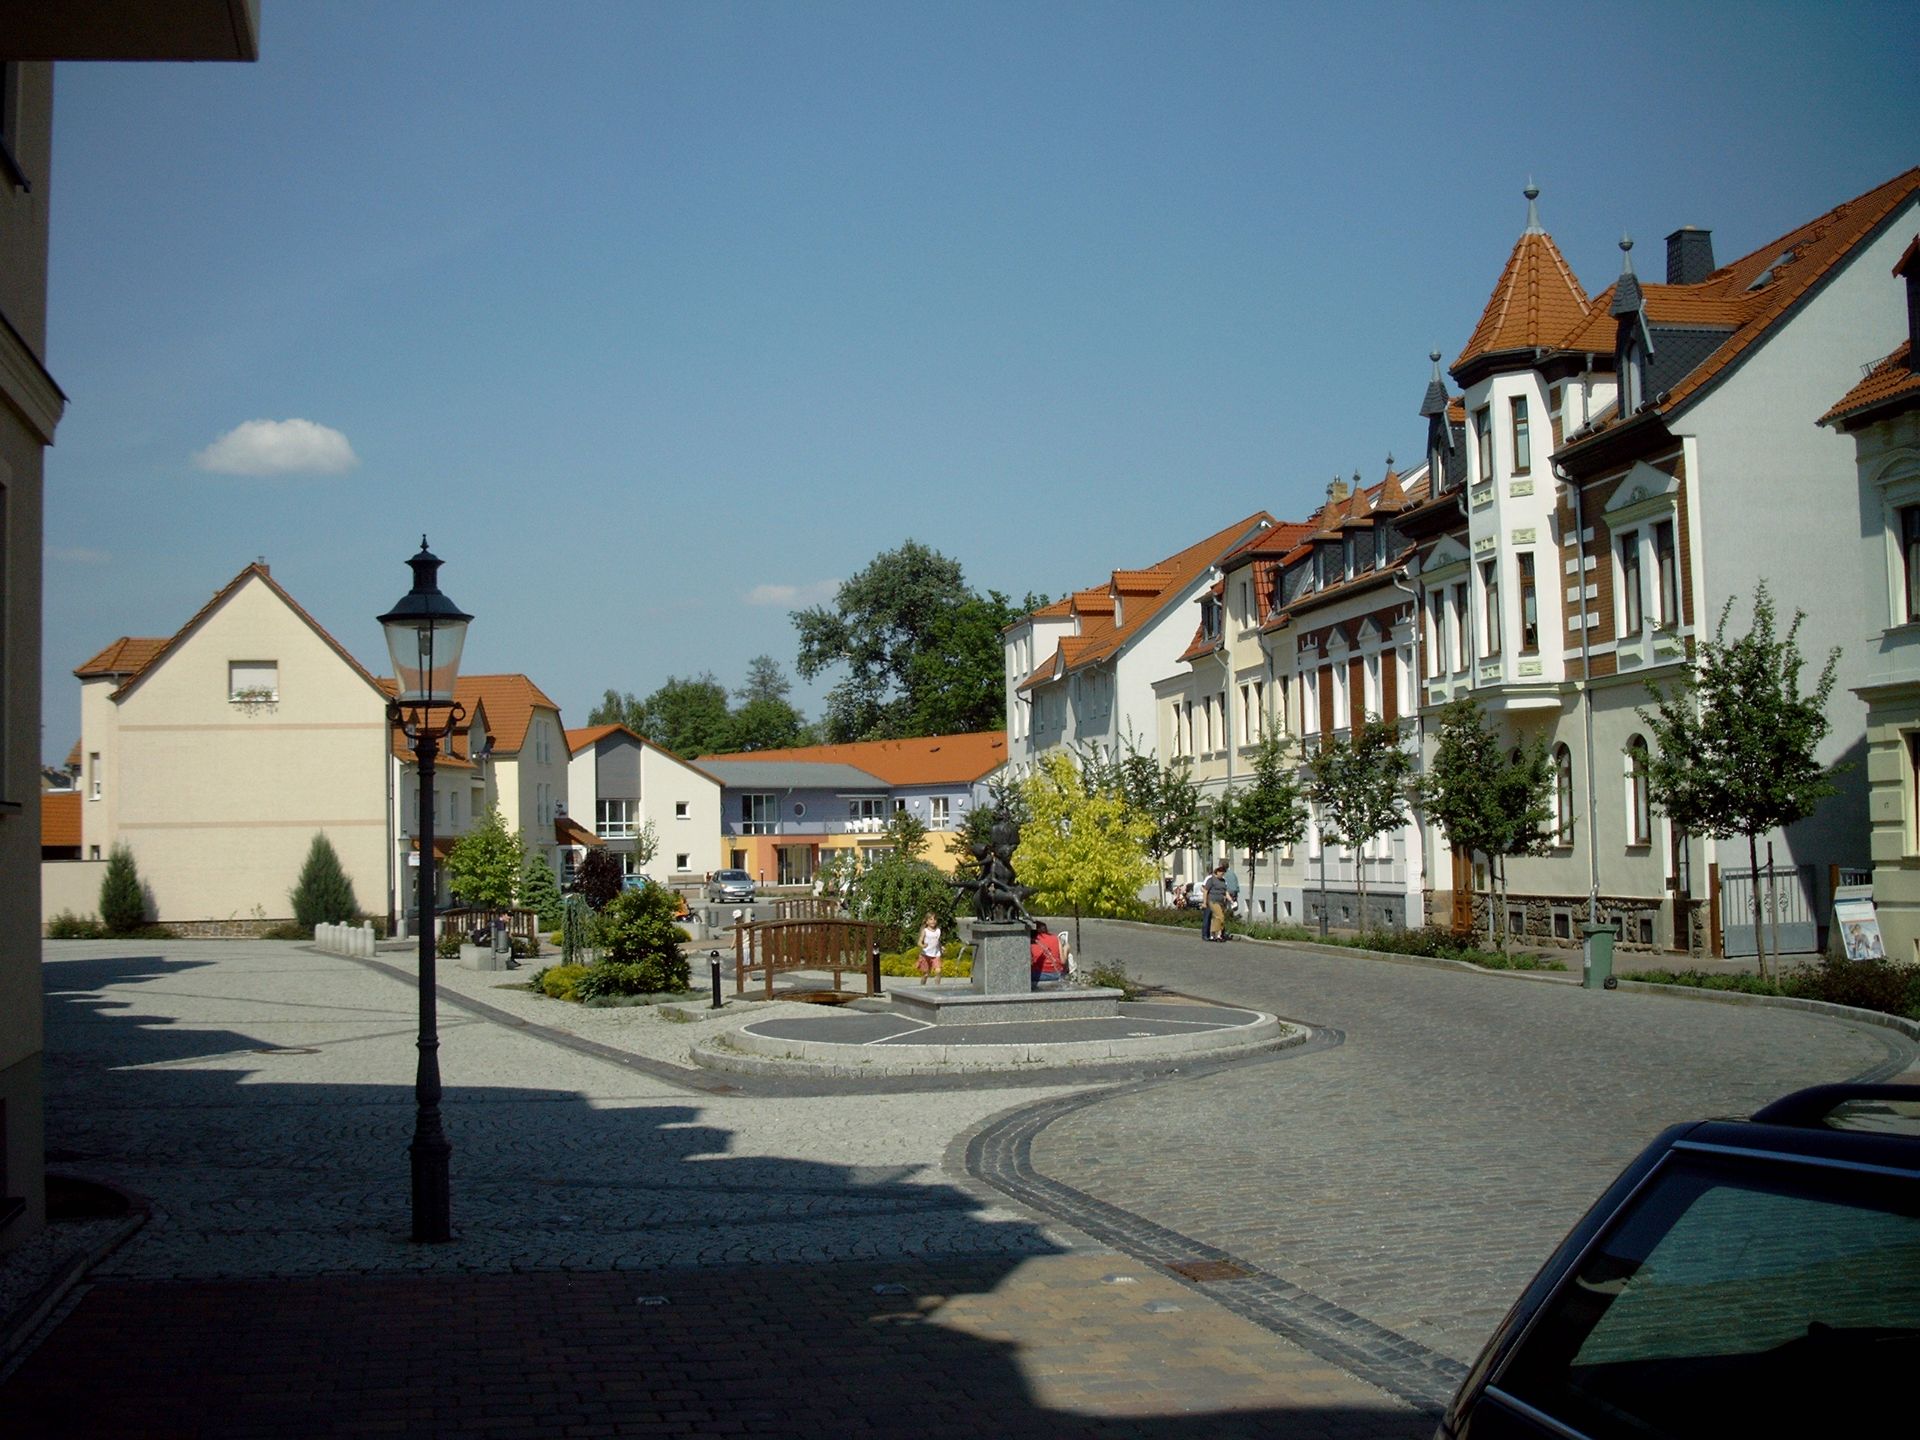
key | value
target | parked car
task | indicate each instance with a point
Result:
(730, 886)
(638, 880)
(1741, 1277)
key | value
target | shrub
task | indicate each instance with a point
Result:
(1866, 984)
(1111, 975)
(69, 926)
(638, 930)
(525, 949)
(1701, 980)
(557, 982)
(123, 907)
(287, 930)
(447, 947)
(897, 893)
(598, 880)
(956, 961)
(620, 979)
(539, 891)
(323, 895)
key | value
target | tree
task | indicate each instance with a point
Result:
(617, 708)
(540, 892)
(323, 895)
(1734, 739)
(768, 724)
(765, 681)
(906, 835)
(123, 904)
(646, 844)
(598, 879)
(922, 653)
(1267, 814)
(897, 892)
(1079, 852)
(1167, 799)
(1359, 787)
(638, 929)
(688, 717)
(484, 865)
(1487, 798)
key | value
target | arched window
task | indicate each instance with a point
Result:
(1562, 795)
(1639, 812)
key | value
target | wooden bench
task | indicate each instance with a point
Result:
(771, 946)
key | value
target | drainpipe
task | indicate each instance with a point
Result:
(1402, 579)
(1586, 693)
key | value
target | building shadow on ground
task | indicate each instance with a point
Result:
(618, 1270)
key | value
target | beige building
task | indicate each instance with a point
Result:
(217, 754)
(1882, 413)
(619, 783)
(32, 40)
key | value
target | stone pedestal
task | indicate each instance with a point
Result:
(1002, 958)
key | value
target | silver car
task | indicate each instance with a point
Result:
(731, 886)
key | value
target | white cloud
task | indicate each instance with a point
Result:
(77, 555)
(789, 596)
(279, 447)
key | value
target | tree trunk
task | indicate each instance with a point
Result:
(1492, 860)
(1360, 882)
(1759, 932)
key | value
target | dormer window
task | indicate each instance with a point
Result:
(1351, 555)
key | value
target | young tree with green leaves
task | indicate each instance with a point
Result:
(123, 904)
(1079, 852)
(1166, 797)
(540, 892)
(483, 867)
(1359, 787)
(1487, 798)
(620, 708)
(1267, 814)
(323, 895)
(906, 834)
(689, 717)
(1734, 738)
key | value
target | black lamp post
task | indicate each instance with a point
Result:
(425, 633)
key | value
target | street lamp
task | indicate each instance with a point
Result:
(425, 633)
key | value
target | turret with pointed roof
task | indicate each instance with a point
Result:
(1536, 302)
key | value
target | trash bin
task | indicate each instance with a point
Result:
(1596, 965)
(502, 945)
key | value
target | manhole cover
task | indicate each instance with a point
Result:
(1205, 1270)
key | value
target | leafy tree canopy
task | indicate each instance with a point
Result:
(1359, 787)
(619, 708)
(483, 867)
(597, 879)
(1079, 852)
(1486, 797)
(689, 717)
(540, 892)
(921, 652)
(1267, 813)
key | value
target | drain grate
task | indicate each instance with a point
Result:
(1202, 1271)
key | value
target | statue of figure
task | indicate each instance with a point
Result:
(995, 894)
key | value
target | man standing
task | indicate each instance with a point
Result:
(1216, 897)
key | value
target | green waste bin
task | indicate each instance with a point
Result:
(1596, 967)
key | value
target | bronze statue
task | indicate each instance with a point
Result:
(996, 896)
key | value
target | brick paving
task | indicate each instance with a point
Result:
(641, 1252)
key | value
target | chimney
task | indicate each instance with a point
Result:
(1336, 492)
(1689, 255)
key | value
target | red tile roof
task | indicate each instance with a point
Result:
(929, 760)
(510, 701)
(1893, 379)
(1536, 302)
(60, 820)
(125, 656)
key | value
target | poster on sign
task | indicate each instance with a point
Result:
(1858, 927)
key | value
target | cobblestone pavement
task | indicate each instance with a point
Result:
(634, 1257)
(1417, 1174)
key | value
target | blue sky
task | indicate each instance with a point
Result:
(661, 319)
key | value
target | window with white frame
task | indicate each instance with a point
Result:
(1639, 810)
(866, 807)
(939, 812)
(1436, 622)
(616, 819)
(1632, 602)
(680, 809)
(1483, 441)
(1372, 701)
(682, 861)
(1310, 703)
(1562, 795)
(1459, 619)
(1522, 438)
(253, 681)
(1666, 575)
(1342, 706)
(759, 814)
(1490, 592)
(1257, 722)
(96, 776)
(1529, 604)
(1908, 517)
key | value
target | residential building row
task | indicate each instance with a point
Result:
(216, 754)
(1603, 476)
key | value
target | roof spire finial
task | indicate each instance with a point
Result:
(1532, 192)
(1626, 255)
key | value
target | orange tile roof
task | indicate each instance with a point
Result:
(1535, 302)
(1763, 288)
(126, 656)
(73, 756)
(1894, 378)
(929, 760)
(60, 819)
(578, 740)
(510, 701)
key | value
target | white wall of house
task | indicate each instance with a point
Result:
(684, 805)
(219, 799)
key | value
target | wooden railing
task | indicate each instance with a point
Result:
(830, 945)
(464, 920)
(806, 907)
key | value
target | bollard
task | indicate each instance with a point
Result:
(713, 966)
(873, 969)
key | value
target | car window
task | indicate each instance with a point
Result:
(1728, 1294)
